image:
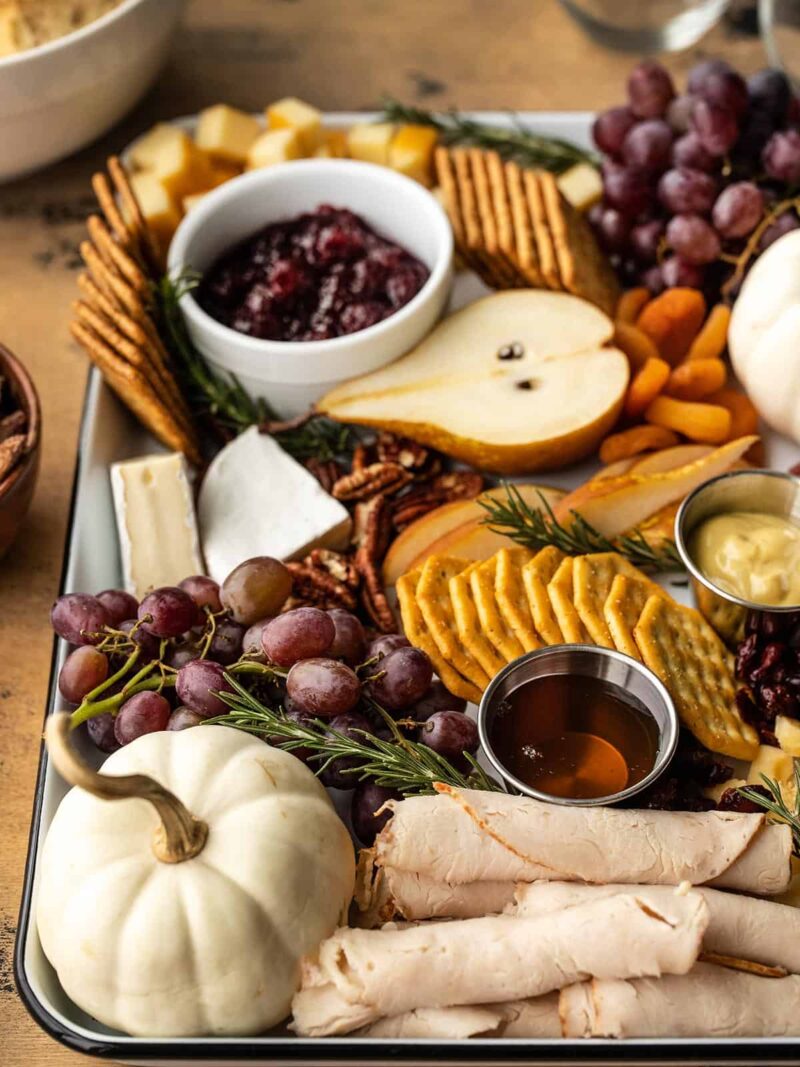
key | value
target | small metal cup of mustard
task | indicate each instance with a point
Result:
(739, 536)
(578, 724)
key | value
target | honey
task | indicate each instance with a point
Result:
(574, 736)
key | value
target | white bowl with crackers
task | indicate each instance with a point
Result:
(62, 93)
(294, 374)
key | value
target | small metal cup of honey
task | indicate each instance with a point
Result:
(576, 724)
(739, 537)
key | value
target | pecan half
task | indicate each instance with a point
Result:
(11, 451)
(360, 458)
(371, 480)
(443, 489)
(327, 472)
(374, 601)
(342, 568)
(12, 424)
(273, 426)
(409, 454)
(317, 586)
(372, 528)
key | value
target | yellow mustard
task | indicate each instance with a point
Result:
(751, 554)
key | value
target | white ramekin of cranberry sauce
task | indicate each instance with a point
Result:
(312, 272)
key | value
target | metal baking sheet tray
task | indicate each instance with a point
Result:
(91, 562)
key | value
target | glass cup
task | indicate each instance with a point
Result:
(779, 22)
(646, 25)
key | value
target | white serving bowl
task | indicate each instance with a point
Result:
(291, 375)
(60, 96)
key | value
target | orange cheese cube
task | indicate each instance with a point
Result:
(157, 206)
(274, 146)
(226, 133)
(293, 114)
(411, 151)
(370, 141)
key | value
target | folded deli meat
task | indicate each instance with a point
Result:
(460, 836)
(360, 976)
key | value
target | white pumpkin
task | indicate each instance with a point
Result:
(159, 923)
(764, 335)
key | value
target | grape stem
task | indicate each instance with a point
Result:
(146, 680)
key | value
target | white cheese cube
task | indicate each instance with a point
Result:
(226, 133)
(370, 141)
(787, 732)
(256, 500)
(776, 765)
(581, 185)
(156, 523)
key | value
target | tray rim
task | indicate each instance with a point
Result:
(344, 1050)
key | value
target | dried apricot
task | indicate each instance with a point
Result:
(646, 385)
(696, 379)
(672, 321)
(713, 337)
(631, 303)
(744, 416)
(636, 345)
(637, 439)
(707, 423)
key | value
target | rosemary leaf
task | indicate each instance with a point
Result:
(776, 806)
(538, 527)
(518, 142)
(225, 400)
(399, 763)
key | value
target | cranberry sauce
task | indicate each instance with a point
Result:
(316, 276)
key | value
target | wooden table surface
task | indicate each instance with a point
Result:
(523, 54)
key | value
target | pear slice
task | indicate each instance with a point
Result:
(456, 530)
(616, 505)
(521, 380)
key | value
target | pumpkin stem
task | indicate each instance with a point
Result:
(180, 836)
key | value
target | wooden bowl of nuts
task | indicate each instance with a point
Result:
(20, 445)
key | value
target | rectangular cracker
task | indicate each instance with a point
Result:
(501, 207)
(481, 261)
(526, 252)
(504, 270)
(433, 597)
(446, 179)
(678, 645)
(512, 598)
(548, 263)
(494, 626)
(592, 577)
(623, 606)
(561, 593)
(536, 576)
(583, 267)
(420, 637)
(468, 623)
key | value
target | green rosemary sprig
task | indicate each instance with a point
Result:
(226, 401)
(776, 806)
(537, 527)
(518, 143)
(399, 763)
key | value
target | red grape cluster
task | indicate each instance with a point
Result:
(688, 177)
(326, 666)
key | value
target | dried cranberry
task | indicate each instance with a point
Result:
(777, 700)
(732, 800)
(770, 658)
(359, 316)
(747, 656)
(773, 623)
(320, 275)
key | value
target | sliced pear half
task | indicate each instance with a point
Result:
(519, 381)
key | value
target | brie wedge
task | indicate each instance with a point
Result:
(256, 500)
(156, 523)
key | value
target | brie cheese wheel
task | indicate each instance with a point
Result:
(156, 523)
(256, 500)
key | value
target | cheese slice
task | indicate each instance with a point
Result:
(256, 500)
(581, 185)
(156, 522)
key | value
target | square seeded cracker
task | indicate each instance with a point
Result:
(526, 253)
(548, 262)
